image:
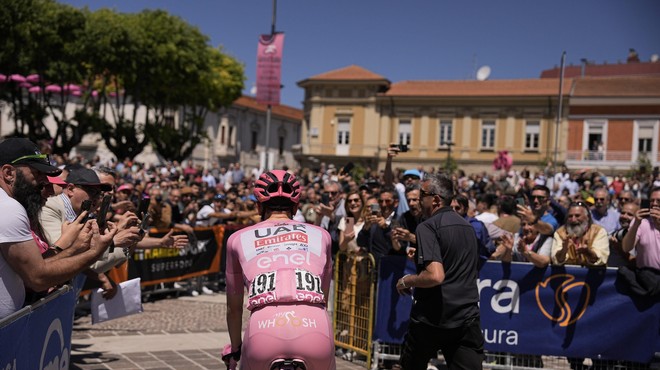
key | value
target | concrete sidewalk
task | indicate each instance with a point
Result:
(171, 333)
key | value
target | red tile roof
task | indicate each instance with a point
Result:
(351, 72)
(620, 69)
(637, 86)
(465, 88)
(283, 111)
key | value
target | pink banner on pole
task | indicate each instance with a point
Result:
(269, 65)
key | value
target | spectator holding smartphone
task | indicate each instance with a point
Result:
(644, 236)
(329, 214)
(352, 224)
(376, 233)
(404, 233)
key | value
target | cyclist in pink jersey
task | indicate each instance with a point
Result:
(286, 267)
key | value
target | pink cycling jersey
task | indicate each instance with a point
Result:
(279, 262)
(286, 267)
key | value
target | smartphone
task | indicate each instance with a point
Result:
(645, 203)
(347, 168)
(101, 219)
(375, 208)
(350, 224)
(325, 199)
(86, 205)
(403, 148)
(144, 225)
(394, 223)
(520, 201)
(143, 206)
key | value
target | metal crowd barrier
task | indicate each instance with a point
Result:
(354, 304)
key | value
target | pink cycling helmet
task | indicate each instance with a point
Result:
(277, 184)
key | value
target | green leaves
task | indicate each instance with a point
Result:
(133, 68)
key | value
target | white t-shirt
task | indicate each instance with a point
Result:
(13, 229)
(487, 217)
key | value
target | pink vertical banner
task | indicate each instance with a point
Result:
(269, 66)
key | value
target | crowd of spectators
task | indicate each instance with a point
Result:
(569, 217)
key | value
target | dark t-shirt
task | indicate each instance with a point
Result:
(448, 238)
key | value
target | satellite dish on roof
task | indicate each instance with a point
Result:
(483, 73)
(654, 58)
(253, 90)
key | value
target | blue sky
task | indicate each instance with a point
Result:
(419, 39)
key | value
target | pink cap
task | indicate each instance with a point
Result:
(57, 180)
(125, 187)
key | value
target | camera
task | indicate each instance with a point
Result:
(375, 208)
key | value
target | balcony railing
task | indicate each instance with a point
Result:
(605, 156)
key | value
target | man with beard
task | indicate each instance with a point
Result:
(445, 312)
(619, 257)
(23, 178)
(579, 241)
(405, 232)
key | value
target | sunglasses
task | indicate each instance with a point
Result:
(332, 192)
(423, 194)
(625, 199)
(539, 197)
(353, 200)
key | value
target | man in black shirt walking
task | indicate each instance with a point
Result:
(445, 312)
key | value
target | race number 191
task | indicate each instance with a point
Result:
(307, 281)
(262, 283)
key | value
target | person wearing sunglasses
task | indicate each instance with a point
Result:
(625, 197)
(601, 213)
(286, 267)
(331, 210)
(24, 172)
(538, 212)
(83, 186)
(445, 313)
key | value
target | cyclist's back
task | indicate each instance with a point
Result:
(286, 266)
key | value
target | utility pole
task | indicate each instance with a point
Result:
(269, 109)
(559, 110)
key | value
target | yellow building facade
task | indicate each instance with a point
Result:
(352, 114)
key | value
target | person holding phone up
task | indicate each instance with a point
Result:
(644, 236)
(403, 231)
(331, 211)
(352, 224)
(376, 233)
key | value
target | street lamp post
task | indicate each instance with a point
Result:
(448, 144)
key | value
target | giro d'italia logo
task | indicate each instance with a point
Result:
(570, 299)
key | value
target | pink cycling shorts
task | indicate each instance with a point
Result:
(289, 331)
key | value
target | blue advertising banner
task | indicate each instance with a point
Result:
(40, 338)
(392, 310)
(563, 311)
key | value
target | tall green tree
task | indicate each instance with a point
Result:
(42, 39)
(138, 72)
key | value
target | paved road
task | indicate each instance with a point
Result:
(171, 333)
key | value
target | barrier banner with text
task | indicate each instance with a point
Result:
(39, 337)
(160, 265)
(564, 311)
